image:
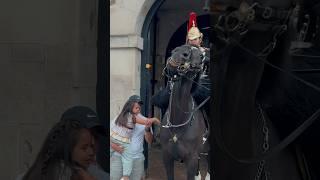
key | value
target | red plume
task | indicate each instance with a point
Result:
(192, 20)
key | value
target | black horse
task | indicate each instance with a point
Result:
(252, 40)
(183, 125)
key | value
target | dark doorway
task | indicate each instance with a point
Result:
(179, 37)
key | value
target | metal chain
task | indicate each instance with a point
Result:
(259, 170)
(270, 47)
(265, 147)
(265, 131)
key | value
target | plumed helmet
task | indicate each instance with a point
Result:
(193, 31)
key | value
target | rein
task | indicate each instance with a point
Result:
(194, 109)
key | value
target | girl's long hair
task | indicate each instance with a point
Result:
(122, 119)
(55, 156)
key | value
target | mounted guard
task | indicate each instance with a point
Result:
(194, 37)
(185, 104)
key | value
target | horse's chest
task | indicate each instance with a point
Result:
(174, 139)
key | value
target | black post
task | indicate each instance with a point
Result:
(145, 81)
(101, 87)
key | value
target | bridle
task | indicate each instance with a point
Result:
(232, 41)
(183, 70)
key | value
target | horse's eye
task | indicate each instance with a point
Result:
(185, 54)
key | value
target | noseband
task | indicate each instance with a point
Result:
(174, 70)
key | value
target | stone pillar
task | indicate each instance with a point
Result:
(125, 56)
(126, 21)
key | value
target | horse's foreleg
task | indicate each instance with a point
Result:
(191, 167)
(169, 165)
(208, 163)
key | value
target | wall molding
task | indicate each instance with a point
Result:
(126, 41)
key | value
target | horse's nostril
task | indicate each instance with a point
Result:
(184, 55)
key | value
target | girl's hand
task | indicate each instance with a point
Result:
(156, 121)
(148, 122)
(117, 147)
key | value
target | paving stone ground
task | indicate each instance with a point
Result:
(156, 170)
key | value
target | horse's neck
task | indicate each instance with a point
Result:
(237, 104)
(181, 99)
(182, 90)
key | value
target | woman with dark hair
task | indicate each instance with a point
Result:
(122, 129)
(69, 148)
(89, 119)
(65, 154)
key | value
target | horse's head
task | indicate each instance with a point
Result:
(185, 60)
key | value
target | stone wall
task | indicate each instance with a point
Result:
(47, 63)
